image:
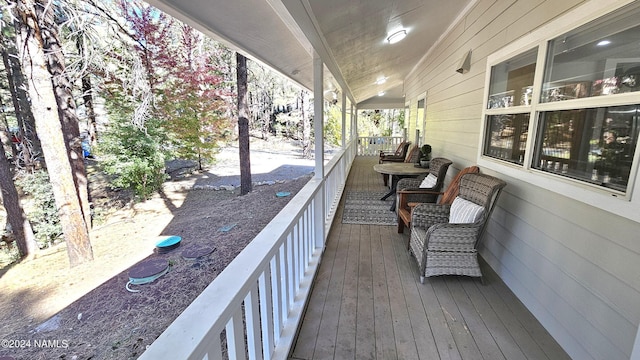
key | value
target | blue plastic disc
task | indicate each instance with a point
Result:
(283, 194)
(168, 241)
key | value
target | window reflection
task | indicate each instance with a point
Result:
(507, 137)
(597, 59)
(512, 81)
(594, 145)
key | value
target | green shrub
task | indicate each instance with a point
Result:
(41, 207)
(134, 157)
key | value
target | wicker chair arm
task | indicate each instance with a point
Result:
(405, 196)
(426, 215)
(453, 237)
(419, 191)
(406, 183)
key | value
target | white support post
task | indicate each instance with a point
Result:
(344, 119)
(354, 120)
(318, 114)
(318, 127)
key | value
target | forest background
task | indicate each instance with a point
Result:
(129, 88)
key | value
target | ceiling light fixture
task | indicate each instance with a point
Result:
(381, 93)
(604, 43)
(397, 36)
(381, 81)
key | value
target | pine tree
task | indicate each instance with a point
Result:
(35, 16)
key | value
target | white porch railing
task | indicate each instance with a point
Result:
(372, 145)
(253, 308)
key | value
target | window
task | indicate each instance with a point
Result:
(511, 88)
(594, 145)
(575, 92)
(597, 59)
(512, 81)
(420, 120)
(507, 137)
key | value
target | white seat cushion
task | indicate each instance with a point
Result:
(429, 182)
(464, 211)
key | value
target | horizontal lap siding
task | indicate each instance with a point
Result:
(574, 266)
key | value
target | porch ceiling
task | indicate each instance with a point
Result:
(349, 36)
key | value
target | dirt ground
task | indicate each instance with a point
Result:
(50, 311)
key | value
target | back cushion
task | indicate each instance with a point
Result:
(429, 182)
(464, 211)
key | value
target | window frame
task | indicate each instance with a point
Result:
(621, 203)
(421, 117)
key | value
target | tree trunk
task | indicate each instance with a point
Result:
(20, 225)
(87, 96)
(49, 127)
(5, 134)
(243, 126)
(66, 107)
(31, 148)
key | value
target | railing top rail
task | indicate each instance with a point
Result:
(335, 160)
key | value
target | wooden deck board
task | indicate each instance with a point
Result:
(404, 341)
(368, 302)
(500, 333)
(420, 327)
(384, 335)
(365, 321)
(473, 319)
(346, 336)
(326, 341)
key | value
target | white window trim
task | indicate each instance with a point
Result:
(625, 205)
(422, 122)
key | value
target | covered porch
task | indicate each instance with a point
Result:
(367, 302)
(566, 249)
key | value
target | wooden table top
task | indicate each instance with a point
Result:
(399, 169)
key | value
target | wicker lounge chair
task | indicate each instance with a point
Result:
(432, 182)
(397, 156)
(409, 194)
(444, 238)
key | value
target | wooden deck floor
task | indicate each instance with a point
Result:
(368, 303)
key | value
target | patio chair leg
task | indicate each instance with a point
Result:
(482, 281)
(400, 226)
(421, 279)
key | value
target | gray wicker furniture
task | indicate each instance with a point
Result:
(397, 171)
(438, 168)
(398, 155)
(411, 156)
(409, 196)
(444, 248)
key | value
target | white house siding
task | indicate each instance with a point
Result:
(576, 267)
